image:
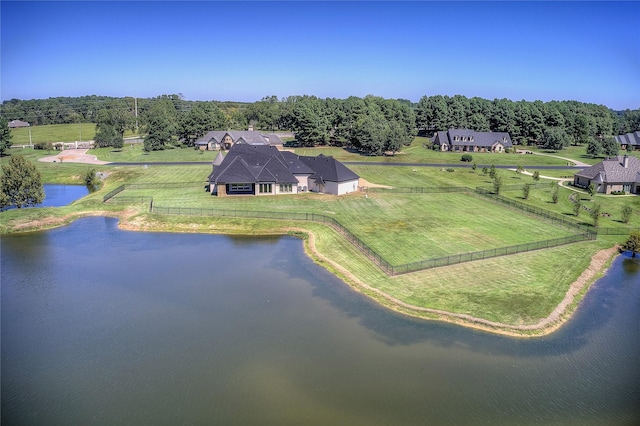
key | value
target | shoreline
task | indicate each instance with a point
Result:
(598, 266)
(600, 263)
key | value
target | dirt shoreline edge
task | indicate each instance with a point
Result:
(558, 317)
(598, 266)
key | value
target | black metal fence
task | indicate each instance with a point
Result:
(420, 189)
(486, 254)
(584, 233)
(617, 231)
(113, 193)
(376, 258)
(289, 216)
(537, 212)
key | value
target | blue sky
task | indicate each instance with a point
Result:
(243, 51)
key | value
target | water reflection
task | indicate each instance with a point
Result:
(163, 328)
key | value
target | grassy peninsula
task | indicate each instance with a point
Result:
(507, 294)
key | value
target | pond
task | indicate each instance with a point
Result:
(62, 195)
(104, 326)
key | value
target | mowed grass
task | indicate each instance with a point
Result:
(402, 228)
(57, 133)
(515, 289)
(417, 153)
(134, 153)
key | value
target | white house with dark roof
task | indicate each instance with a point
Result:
(225, 139)
(621, 173)
(265, 170)
(629, 140)
(465, 140)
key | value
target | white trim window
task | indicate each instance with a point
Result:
(286, 187)
(265, 188)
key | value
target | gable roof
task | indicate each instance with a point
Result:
(260, 163)
(467, 137)
(632, 139)
(250, 137)
(219, 158)
(612, 170)
(328, 169)
(252, 163)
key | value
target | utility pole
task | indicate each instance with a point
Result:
(135, 102)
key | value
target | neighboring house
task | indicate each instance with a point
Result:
(629, 139)
(14, 124)
(264, 170)
(465, 140)
(225, 139)
(621, 173)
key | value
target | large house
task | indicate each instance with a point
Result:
(629, 140)
(265, 170)
(621, 173)
(465, 140)
(225, 139)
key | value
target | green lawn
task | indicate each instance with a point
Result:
(514, 289)
(402, 228)
(416, 153)
(57, 133)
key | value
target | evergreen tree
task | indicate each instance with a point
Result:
(5, 137)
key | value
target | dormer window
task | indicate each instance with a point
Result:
(471, 138)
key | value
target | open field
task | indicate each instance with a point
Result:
(402, 228)
(57, 133)
(515, 289)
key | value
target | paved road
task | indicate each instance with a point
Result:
(358, 163)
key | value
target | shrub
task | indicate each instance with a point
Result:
(626, 213)
(451, 169)
(467, 158)
(617, 193)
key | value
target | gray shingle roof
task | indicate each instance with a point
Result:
(467, 137)
(613, 170)
(328, 169)
(240, 136)
(632, 139)
(260, 163)
(252, 163)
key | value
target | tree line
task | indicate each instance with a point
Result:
(371, 124)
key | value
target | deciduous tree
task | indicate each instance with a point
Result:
(21, 183)
(633, 243)
(610, 147)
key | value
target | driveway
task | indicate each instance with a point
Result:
(73, 156)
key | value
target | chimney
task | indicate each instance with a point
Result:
(625, 162)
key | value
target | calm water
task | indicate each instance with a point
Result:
(102, 326)
(62, 195)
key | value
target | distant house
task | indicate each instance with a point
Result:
(629, 140)
(14, 124)
(465, 140)
(264, 170)
(225, 139)
(621, 173)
